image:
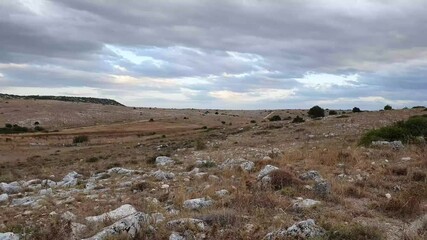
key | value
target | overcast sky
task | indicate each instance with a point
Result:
(238, 54)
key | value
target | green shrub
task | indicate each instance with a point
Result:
(200, 145)
(316, 112)
(8, 125)
(387, 107)
(253, 121)
(356, 110)
(80, 139)
(298, 119)
(354, 232)
(275, 118)
(404, 131)
(38, 129)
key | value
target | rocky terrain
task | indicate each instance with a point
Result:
(212, 174)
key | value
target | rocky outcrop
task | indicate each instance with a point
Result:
(301, 230)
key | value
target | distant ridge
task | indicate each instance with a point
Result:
(103, 101)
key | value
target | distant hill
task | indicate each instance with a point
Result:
(103, 101)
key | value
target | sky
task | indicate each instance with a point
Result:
(222, 54)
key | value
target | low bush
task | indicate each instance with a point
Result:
(80, 139)
(200, 145)
(388, 107)
(275, 118)
(282, 178)
(298, 119)
(333, 112)
(353, 232)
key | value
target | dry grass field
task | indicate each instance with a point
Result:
(367, 192)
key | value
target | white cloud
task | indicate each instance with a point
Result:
(253, 95)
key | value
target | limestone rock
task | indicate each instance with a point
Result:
(9, 236)
(301, 230)
(266, 170)
(163, 160)
(121, 212)
(197, 203)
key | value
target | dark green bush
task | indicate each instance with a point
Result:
(316, 112)
(80, 139)
(356, 109)
(298, 119)
(387, 107)
(333, 112)
(275, 118)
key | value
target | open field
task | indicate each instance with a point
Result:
(370, 193)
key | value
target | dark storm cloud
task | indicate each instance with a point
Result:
(213, 51)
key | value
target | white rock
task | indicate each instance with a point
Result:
(301, 230)
(161, 175)
(406, 158)
(197, 203)
(77, 230)
(121, 212)
(119, 170)
(388, 195)
(176, 236)
(46, 191)
(70, 180)
(129, 226)
(222, 193)
(266, 170)
(48, 183)
(247, 166)
(13, 187)
(9, 236)
(25, 201)
(4, 198)
(163, 160)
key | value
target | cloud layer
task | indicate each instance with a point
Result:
(218, 54)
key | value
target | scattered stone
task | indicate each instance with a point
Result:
(48, 183)
(25, 201)
(388, 195)
(13, 187)
(77, 230)
(183, 224)
(46, 191)
(245, 165)
(266, 170)
(214, 178)
(396, 145)
(406, 159)
(9, 236)
(129, 226)
(163, 160)
(311, 175)
(157, 218)
(322, 188)
(70, 180)
(197, 203)
(121, 212)
(161, 175)
(304, 229)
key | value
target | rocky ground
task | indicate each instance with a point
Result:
(247, 180)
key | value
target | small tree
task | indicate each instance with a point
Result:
(316, 112)
(388, 107)
(80, 139)
(356, 110)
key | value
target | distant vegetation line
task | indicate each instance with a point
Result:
(103, 101)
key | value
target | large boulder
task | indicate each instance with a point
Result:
(70, 180)
(129, 226)
(162, 176)
(4, 198)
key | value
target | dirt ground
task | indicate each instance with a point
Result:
(125, 137)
